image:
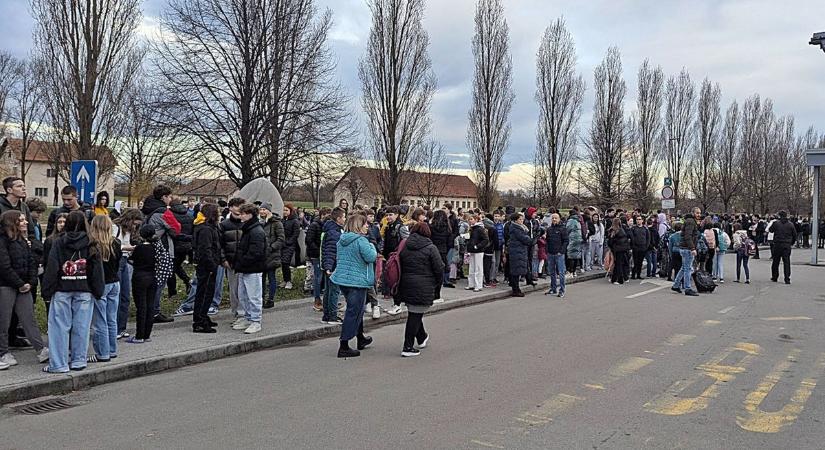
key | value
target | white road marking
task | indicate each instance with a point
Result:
(649, 291)
(727, 310)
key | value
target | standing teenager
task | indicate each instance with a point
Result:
(476, 245)
(619, 243)
(274, 231)
(104, 322)
(144, 282)
(250, 264)
(556, 244)
(206, 243)
(73, 278)
(518, 247)
(126, 230)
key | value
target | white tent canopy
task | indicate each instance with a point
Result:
(262, 190)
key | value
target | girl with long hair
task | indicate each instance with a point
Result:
(104, 321)
(126, 230)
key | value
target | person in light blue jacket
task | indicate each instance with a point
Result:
(354, 274)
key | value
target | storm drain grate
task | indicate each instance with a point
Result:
(44, 406)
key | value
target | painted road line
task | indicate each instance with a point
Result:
(679, 339)
(748, 298)
(727, 310)
(595, 387)
(485, 444)
(710, 323)
(756, 420)
(780, 319)
(543, 414)
(649, 291)
(622, 369)
(670, 402)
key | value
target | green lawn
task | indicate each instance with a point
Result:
(168, 305)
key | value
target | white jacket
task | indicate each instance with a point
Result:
(598, 236)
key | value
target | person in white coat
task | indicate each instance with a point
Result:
(596, 243)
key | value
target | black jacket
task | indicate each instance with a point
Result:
(17, 263)
(291, 231)
(639, 239)
(557, 240)
(312, 240)
(421, 271)
(251, 255)
(183, 241)
(84, 207)
(690, 234)
(274, 231)
(73, 246)
(441, 237)
(392, 237)
(230, 230)
(207, 245)
(478, 239)
(784, 232)
(111, 268)
(619, 241)
(492, 237)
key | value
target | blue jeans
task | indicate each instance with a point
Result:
(742, 260)
(650, 257)
(587, 256)
(683, 277)
(330, 298)
(555, 266)
(250, 295)
(70, 317)
(125, 274)
(104, 322)
(271, 284)
(317, 277)
(354, 317)
(719, 265)
(189, 303)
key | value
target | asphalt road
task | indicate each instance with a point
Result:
(740, 368)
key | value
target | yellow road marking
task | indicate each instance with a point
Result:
(710, 323)
(754, 419)
(778, 319)
(679, 339)
(671, 404)
(597, 387)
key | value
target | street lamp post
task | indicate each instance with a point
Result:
(815, 159)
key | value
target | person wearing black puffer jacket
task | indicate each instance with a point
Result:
(207, 246)
(292, 228)
(183, 246)
(421, 272)
(784, 237)
(619, 244)
(230, 230)
(557, 243)
(249, 264)
(274, 230)
(640, 243)
(490, 250)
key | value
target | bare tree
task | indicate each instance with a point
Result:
(605, 145)
(9, 73)
(430, 182)
(798, 183)
(727, 176)
(644, 161)
(398, 85)
(319, 168)
(559, 93)
(678, 132)
(705, 158)
(89, 57)
(488, 133)
(764, 141)
(28, 112)
(149, 152)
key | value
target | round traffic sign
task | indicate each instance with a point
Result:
(667, 192)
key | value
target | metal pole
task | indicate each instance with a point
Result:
(815, 219)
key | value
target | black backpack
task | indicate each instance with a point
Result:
(704, 281)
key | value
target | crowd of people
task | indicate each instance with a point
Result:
(95, 261)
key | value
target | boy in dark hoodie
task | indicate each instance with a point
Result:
(313, 246)
(329, 252)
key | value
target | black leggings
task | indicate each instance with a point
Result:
(286, 270)
(203, 296)
(572, 264)
(619, 263)
(709, 261)
(177, 270)
(144, 287)
(414, 329)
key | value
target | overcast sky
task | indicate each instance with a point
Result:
(747, 46)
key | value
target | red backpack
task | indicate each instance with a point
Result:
(392, 270)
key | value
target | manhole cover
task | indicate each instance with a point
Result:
(44, 406)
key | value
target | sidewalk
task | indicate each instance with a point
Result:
(174, 345)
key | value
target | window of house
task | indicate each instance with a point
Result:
(51, 173)
(475, 204)
(41, 192)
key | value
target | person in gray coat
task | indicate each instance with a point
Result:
(518, 247)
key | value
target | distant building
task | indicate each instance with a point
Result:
(456, 189)
(215, 188)
(41, 172)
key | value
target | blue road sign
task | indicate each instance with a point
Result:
(84, 178)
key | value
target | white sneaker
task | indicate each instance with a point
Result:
(8, 358)
(476, 290)
(288, 285)
(426, 341)
(394, 310)
(3, 366)
(368, 309)
(254, 327)
(376, 312)
(241, 324)
(438, 300)
(43, 356)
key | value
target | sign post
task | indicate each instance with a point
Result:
(816, 159)
(84, 178)
(668, 202)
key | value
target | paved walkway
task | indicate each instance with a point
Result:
(174, 345)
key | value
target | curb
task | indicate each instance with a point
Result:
(66, 383)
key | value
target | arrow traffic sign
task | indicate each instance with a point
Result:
(84, 178)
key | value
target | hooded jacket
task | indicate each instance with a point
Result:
(312, 240)
(183, 240)
(421, 271)
(18, 265)
(618, 241)
(206, 242)
(441, 238)
(291, 231)
(251, 254)
(329, 246)
(355, 261)
(574, 236)
(166, 225)
(73, 246)
(639, 238)
(274, 231)
(230, 230)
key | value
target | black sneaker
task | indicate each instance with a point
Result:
(408, 352)
(676, 290)
(691, 293)
(787, 281)
(269, 304)
(364, 343)
(160, 318)
(348, 353)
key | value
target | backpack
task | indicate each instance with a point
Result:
(392, 270)
(701, 246)
(750, 244)
(163, 263)
(722, 241)
(703, 281)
